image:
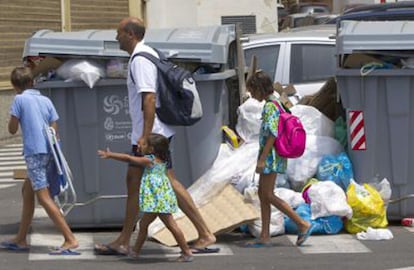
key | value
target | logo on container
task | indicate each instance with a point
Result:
(113, 104)
(110, 137)
(109, 123)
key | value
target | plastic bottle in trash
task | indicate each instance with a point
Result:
(409, 222)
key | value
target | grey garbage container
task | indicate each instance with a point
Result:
(378, 104)
(97, 118)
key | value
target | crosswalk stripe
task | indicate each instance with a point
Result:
(45, 235)
(404, 268)
(340, 243)
(410, 229)
(3, 186)
(5, 181)
(11, 154)
(41, 243)
(10, 180)
(10, 158)
(12, 145)
(171, 252)
(11, 149)
(9, 163)
(6, 174)
(10, 169)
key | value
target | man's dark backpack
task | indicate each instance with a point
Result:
(177, 93)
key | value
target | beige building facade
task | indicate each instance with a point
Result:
(19, 19)
(254, 15)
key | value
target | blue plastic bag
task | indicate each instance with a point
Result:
(337, 169)
(322, 225)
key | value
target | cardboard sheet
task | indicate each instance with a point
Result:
(224, 212)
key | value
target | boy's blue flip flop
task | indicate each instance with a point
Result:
(13, 246)
(205, 250)
(64, 252)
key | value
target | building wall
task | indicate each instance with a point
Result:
(190, 13)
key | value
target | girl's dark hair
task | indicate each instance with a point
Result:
(261, 82)
(160, 144)
(22, 78)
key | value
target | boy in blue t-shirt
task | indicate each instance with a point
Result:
(33, 111)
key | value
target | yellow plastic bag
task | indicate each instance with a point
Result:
(367, 207)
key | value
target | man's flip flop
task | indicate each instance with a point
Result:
(13, 246)
(64, 252)
(106, 249)
(205, 250)
(302, 237)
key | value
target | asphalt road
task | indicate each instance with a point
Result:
(342, 251)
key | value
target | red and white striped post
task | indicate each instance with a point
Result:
(357, 130)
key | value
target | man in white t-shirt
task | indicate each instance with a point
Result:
(142, 104)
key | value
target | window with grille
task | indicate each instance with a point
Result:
(247, 23)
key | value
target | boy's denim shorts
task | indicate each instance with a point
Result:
(38, 166)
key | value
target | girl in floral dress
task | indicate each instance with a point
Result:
(269, 163)
(156, 196)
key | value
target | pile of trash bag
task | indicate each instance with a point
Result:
(319, 185)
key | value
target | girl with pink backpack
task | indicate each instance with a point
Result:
(270, 163)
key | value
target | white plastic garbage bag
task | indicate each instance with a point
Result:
(299, 170)
(235, 166)
(249, 120)
(375, 234)
(277, 223)
(276, 227)
(291, 197)
(328, 199)
(89, 71)
(384, 189)
(314, 122)
(281, 181)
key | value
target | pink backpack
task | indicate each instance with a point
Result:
(291, 136)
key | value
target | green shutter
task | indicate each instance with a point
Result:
(97, 14)
(18, 20)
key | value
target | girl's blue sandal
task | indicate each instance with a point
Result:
(302, 237)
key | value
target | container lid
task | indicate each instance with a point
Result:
(208, 44)
(360, 36)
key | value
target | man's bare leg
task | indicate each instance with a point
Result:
(121, 243)
(187, 205)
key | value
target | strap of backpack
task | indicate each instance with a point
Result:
(280, 107)
(150, 57)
